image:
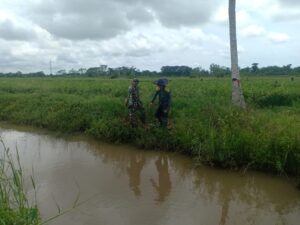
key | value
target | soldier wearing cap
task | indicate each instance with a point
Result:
(134, 104)
(164, 101)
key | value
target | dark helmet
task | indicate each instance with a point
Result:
(135, 80)
(161, 82)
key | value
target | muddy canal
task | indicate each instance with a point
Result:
(123, 185)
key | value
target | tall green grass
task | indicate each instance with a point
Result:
(14, 205)
(204, 124)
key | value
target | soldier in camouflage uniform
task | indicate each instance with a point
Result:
(134, 104)
(164, 101)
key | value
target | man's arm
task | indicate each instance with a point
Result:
(128, 97)
(154, 97)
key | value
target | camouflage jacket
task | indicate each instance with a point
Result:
(133, 97)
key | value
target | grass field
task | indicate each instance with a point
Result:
(265, 136)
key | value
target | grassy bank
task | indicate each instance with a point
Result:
(14, 206)
(265, 136)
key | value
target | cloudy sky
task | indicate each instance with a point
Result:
(146, 34)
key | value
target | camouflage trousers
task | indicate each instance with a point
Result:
(136, 113)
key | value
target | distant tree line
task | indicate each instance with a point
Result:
(270, 70)
(20, 74)
(214, 70)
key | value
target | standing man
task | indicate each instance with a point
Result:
(134, 104)
(164, 101)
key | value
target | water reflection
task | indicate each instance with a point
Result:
(225, 202)
(257, 196)
(136, 164)
(163, 184)
(145, 187)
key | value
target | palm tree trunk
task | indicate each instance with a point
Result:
(237, 94)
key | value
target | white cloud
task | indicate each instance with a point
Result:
(253, 31)
(134, 48)
(221, 14)
(289, 2)
(255, 5)
(283, 11)
(259, 31)
(143, 33)
(11, 31)
(103, 19)
(243, 18)
(286, 15)
(278, 37)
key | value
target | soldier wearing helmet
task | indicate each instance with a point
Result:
(164, 101)
(134, 104)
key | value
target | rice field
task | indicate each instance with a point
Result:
(203, 122)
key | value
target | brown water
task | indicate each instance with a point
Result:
(124, 185)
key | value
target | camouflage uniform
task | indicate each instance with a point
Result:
(135, 106)
(162, 111)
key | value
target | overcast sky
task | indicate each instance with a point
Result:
(146, 34)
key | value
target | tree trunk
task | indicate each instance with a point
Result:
(237, 94)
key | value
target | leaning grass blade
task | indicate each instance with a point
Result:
(14, 206)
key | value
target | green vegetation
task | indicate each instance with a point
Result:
(204, 124)
(214, 70)
(14, 206)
